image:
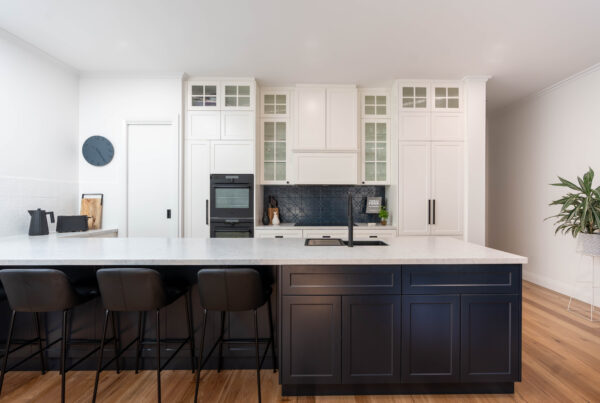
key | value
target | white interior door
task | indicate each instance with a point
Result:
(197, 190)
(414, 187)
(447, 188)
(152, 180)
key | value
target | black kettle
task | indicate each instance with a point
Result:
(39, 224)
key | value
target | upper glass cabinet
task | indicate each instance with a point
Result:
(375, 103)
(275, 103)
(376, 157)
(203, 95)
(274, 151)
(413, 97)
(447, 97)
(237, 95)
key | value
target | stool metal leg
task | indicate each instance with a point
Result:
(39, 336)
(140, 337)
(257, 355)
(220, 364)
(272, 337)
(101, 355)
(200, 356)
(158, 352)
(113, 315)
(8, 340)
(190, 320)
(63, 353)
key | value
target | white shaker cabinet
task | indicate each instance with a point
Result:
(326, 168)
(312, 118)
(447, 126)
(197, 189)
(203, 125)
(232, 157)
(431, 188)
(237, 125)
(342, 121)
(447, 188)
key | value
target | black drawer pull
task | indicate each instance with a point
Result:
(278, 236)
(372, 236)
(326, 236)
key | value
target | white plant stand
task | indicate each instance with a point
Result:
(592, 285)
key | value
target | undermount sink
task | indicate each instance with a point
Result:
(339, 242)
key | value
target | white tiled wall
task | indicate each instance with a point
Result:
(17, 195)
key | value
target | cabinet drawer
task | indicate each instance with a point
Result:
(374, 234)
(461, 279)
(336, 233)
(278, 233)
(340, 280)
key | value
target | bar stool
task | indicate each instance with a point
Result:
(233, 290)
(40, 291)
(140, 290)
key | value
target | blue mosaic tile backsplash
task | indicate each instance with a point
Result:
(323, 205)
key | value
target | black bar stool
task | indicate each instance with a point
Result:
(140, 290)
(231, 290)
(40, 291)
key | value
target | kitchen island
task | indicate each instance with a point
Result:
(421, 315)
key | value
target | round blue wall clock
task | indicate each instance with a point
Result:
(98, 151)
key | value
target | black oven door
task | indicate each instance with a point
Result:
(231, 230)
(232, 196)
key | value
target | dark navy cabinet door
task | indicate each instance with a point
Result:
(311, 339)
(490, 338)
(430, 338)
(371, 338)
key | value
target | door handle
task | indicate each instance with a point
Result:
(206, 212)
(429, 211)
(326, 236)
(169, 214)
(433, 211)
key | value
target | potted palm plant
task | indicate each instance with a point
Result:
(579, 213)
(383, 215)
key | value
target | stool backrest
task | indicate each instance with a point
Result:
(38, 290)
(131, 289)
(230, 289)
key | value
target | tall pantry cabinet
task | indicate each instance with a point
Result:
(430, 158)
(219, 138)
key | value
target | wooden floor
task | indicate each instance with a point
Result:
(561, 363)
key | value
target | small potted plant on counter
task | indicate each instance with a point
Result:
(579, 213)
(383, 214)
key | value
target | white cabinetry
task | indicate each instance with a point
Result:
(232, 157)
(203, 95)
(431, 188)
(436, 126)
(274, 153)
(237, 125)
(326, 168)
(342, 119)
(204, 125)
(197, 189)
(277, 233)
(376, 151)
(312, 118)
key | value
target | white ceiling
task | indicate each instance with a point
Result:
(525, 45)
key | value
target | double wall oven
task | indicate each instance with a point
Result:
(232, 206)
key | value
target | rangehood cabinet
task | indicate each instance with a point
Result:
(325, 147)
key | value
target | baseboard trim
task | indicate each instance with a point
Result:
(396, 389)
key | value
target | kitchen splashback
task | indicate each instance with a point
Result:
(322, 205)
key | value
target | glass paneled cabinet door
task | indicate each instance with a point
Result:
(274, 152)
(376, 151)
(203, 95)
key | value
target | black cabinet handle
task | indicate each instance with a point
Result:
(278, 236)
(326, 236)
(433, 211)
(206, 211)
(169, 214)
(429, 211)
(372, 236)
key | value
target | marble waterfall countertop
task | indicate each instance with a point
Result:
(53, 251)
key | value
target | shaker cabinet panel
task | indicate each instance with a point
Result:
(490, 338)
(311, 333)
(430, 338)
(204, 125)
(232, 157)
(237, 125)
(371, 339)
(415, 126)
(197, 189)
(326, 168)
(447, 188)
(414, 184)
(311, 118)
(447, 126)
(342, 120)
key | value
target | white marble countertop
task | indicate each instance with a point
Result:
(79, 234)
(53, 251)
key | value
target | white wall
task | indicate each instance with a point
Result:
(105, 104)
(38, 135)
(556, 132)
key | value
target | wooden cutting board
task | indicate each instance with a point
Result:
(92, 207)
